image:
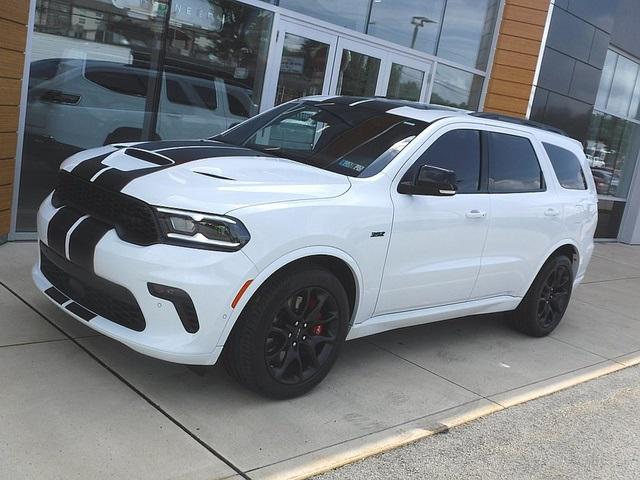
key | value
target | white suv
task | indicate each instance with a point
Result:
(321, 220)
(85, 103)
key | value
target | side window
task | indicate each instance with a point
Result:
(239, 100)
(513, 165)
(459, 151)
(567, 167)
(121, 81)
(177, 92)
(207, 94)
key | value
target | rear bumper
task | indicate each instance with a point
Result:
(211, 280)
(584, 260)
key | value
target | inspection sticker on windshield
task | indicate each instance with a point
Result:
(350, 165)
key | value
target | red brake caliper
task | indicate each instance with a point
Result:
(316, 329)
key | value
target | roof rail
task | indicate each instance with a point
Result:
(518, 121)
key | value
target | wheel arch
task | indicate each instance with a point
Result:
(335, 260)
(565, 247)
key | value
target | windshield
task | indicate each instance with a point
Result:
(345, 138)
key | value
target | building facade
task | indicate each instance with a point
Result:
(76, 74)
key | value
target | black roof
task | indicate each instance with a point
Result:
(383, 103)
(518, 121)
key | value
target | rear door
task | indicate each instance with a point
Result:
(526, 213)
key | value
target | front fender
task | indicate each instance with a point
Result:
(284, 260)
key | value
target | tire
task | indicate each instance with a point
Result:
(289, 335)
(545, 303)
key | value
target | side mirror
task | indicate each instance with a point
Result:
(431, 181)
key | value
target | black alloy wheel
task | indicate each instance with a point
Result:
(290, 333)
(554, 296)
(544, 305)
(302, 335)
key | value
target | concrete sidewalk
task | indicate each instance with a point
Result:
(74, 404)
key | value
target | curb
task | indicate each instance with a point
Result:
(316, 463)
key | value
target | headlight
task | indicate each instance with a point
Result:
(202, 230)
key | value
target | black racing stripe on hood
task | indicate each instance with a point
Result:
(184, 155)
(58, 227)
(89, 168)
(161, 144)
(115, 180)
(83, 241)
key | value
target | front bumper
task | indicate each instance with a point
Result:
(210, 278)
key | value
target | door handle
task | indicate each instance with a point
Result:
(552, 212)
(476, 214)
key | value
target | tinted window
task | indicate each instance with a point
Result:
(176, 93)
(459, 151)
(567, 167)
(44, 69)
(205, 93)
(355, 141)
(121, 81)
(513, 165)
(239, 100)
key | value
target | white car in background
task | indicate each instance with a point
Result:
(88, 103)
(324, 219)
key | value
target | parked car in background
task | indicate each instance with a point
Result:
(88, 103)
(323, 219)
(607, 181)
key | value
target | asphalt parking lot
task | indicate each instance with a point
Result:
(75, 404)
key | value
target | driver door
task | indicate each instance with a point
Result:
(436, 243)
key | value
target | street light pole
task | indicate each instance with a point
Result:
(417, 23)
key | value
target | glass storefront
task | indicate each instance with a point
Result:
(457, 30)
(613, 142)
(456, 88)
(109, 71)
(106, 71)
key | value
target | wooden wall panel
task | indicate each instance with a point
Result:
(5, 220)
(14, 16)
(10, 91)
(7, 145)
(516, 56)
(8, 118)
(5, 197)
(6, 171)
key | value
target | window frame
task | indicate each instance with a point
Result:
(543, 178)
(555, 172)
(413, 163)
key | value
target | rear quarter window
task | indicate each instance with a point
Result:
(567, 167)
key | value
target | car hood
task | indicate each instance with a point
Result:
(203, 175)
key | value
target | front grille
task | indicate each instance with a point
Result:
(133, 219)
(107, 299)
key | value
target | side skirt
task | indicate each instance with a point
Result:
(391, 321)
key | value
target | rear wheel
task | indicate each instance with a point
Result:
(546, 301)
(289, 335)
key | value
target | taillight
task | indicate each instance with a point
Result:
(56, 96)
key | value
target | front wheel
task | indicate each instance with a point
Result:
(545, 303)
(289, 335)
